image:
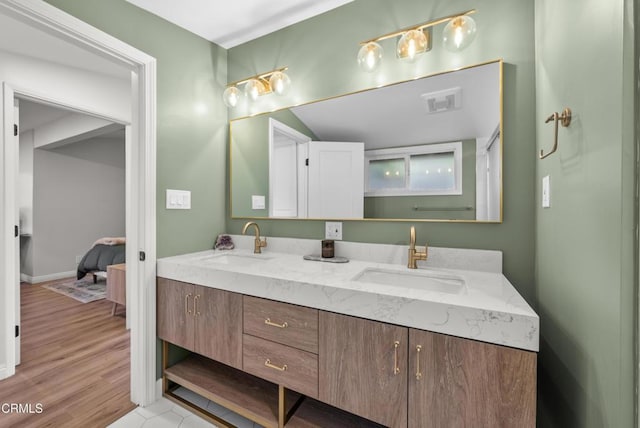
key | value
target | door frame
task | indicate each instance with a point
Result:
(140, 189)
(302, 147)
(16, 245)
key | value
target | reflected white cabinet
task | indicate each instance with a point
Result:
(336, 180)
(314, 179)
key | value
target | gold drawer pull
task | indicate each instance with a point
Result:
(186, 303)
(271, 366)
(396, 369)
(418, 374)
(273, 324)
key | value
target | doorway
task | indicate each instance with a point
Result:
(140, 171)
(71, 182)
(71, 192)
(288, 153)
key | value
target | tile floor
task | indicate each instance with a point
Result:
(166, 414)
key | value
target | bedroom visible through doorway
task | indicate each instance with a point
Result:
(72, 205)
(71, 187)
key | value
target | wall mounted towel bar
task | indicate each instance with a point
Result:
(417, 208)
(565, 120)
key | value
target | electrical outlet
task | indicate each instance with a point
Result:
(78, 259)
(333, 230)
(257, 202)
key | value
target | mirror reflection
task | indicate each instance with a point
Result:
(427, 149)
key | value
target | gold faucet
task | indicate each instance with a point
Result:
(259, 243)
(415, 255)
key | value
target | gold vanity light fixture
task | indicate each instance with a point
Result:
(275, 81)
(459, 33)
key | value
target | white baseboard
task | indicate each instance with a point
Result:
(50, 277)
(4, 372)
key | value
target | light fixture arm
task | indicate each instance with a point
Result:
(418, 27)
(264, 77)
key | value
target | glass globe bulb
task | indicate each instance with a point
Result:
(231, 96)
(411, 44)
(253, 89)
(459, 33)
(280, 83)
(370, 56)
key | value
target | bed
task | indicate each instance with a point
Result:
(105, 252)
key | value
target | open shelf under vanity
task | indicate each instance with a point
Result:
(256, 399)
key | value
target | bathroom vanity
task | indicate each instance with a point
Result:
(289, 342)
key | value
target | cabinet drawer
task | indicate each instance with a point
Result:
(290, 325)
(292, 368)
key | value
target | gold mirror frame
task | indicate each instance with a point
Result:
(499, 61)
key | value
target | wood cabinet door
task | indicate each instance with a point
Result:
(218, 317)
(175, 319)
(363, 368)
(455, 382)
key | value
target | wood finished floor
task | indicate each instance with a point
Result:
(75, 361)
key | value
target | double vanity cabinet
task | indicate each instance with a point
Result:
(283, 364)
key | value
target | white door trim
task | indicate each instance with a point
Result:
(16, 241)
(141, 192)
(8, 160)
(301, 141)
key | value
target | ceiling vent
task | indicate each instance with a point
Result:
(440, 101)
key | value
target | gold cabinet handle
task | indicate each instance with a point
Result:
(195, 306)
(418, 374)
(186, 303)
(271, 366)
(396, 369)
(273, 324)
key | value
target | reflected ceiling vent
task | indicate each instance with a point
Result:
(448, 99)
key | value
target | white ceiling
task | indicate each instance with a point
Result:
(22, 39)
(396, 115)
(34, 115)
(224, 23)
(231, 23)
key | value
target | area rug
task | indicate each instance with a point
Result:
(82, 290)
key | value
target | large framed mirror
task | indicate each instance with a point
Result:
(427, 149)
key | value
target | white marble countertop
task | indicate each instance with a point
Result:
(487, 308)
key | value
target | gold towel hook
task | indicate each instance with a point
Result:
(565, 120)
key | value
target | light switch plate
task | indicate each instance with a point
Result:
(546, 192)
(333, 230)
(257, 202)
(178, 199)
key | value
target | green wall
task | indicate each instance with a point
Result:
(191, 147)
(320, 53)
(584, 242)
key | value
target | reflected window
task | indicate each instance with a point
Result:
(430, 169)
(387, 174)
(432, 172)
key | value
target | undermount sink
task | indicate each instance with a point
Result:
(234, 259)
(429, 281)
